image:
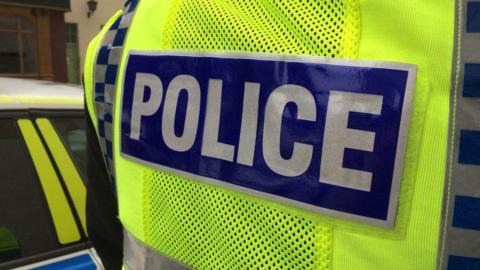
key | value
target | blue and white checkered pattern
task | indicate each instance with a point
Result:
(461, 243)
(106, 73)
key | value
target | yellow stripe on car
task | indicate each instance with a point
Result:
(67, 168)
(63, 220)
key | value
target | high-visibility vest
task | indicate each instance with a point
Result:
(337, 134)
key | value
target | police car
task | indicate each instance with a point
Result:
(42, 174)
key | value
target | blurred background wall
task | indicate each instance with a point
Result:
(86, 27)
(47, 39)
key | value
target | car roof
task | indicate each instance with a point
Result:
(36, 94)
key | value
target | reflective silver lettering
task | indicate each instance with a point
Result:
(337, 137)
(186, 140)
(211, 147)
(248, 130)
(302, 153)
(147, 108)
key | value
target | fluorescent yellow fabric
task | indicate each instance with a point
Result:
(60, 211)
(71, 177)
(419, 32)
(220, 250)
(327, 28)
(414, 32)
(210, 228)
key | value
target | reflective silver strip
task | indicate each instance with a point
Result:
(138, 256)
(459, 243)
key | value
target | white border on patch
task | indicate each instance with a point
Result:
(401, 143)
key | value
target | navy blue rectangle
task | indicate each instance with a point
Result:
(133, 5)
(471, 81)
(463, 263)
(466, 212)
(120, 37)
(101, 128)
(473, 17)
(111, 74)
(469, 150)
(319, 79)
(103, 54)
(100, 92)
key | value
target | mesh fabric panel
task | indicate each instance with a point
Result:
(207, 228)
(325, 28)
(212, 228)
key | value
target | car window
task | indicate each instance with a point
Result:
(25, 217)
(9, 248)
(72, 133)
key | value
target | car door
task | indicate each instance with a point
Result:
(42, 191)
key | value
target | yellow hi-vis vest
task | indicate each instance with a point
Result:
(339, 134)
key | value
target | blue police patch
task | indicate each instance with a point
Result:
(321, 134)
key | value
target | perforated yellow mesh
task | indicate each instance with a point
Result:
(311, 27)
(207, 228)
(212, 228)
